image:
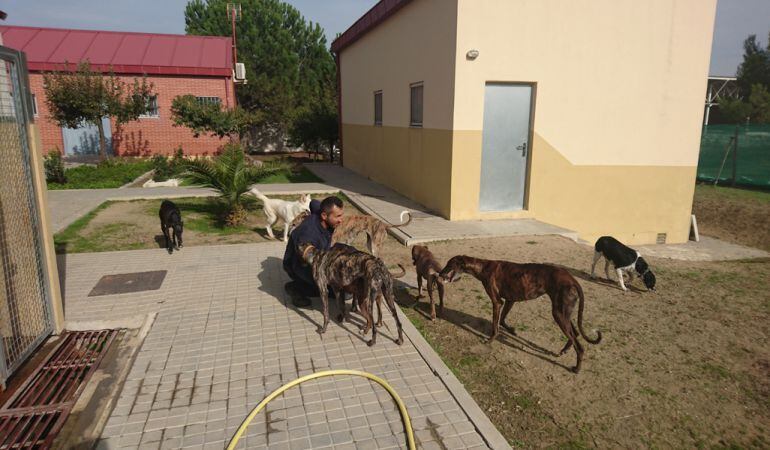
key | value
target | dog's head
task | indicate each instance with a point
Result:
(647, 276)
(417, 252)
(453, 269)
(308, 253)
(304, 200)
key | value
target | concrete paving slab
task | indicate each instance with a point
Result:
(225, 326)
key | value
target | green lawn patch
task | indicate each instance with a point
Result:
(300, 176)
(109, 174)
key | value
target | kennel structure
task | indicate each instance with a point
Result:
(584, 114)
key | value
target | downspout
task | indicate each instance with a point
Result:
(339, 107)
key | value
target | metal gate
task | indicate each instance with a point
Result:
(25, 302)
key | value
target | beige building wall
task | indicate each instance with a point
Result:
(417, 44)
(619, 93)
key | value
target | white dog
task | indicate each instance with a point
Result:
(283, 210)
(171, 182)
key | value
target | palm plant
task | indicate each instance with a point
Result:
(232, 176)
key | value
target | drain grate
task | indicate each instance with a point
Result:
(35, 414)
(124, 283)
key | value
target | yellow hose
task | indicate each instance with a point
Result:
(327, 373)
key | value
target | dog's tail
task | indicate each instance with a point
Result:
(255, 192)
(399, 275)
(580, 318)
(408, 219)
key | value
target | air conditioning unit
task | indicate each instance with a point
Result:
(240, 73)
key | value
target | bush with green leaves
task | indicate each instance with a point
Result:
(110, 173)
(165, 168)
(54, 167)
(231, 174)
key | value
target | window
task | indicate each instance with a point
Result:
(209, 100)
(34, 105)
(378, 108)
(415, 115)
(152, 107)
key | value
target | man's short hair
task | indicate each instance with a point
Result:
(330, 202)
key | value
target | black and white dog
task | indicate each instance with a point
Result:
(171, 218)
(625, 260)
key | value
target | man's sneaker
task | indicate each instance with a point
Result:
(297, 298)
(301, 302)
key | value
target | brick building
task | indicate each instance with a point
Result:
(174, 64)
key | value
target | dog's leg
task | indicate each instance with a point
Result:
(607, 269)
(373, 294)
(325, 306)
(370, 244)
(597, 257)
(563, 321)
(379, 311)
(271, 219)
(390, 299)
(506, 309)
(169, 247)
(286, 232)
(340, 295)
(429, 282)
(440, 286)
(620, 279)
(496, 304)
(419, 286)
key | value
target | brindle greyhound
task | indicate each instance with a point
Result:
(376, 230)
(342, 266)
(518, 282)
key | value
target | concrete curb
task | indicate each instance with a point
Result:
(493, 438)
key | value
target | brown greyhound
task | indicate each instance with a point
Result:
(513, 282)
(427, 267)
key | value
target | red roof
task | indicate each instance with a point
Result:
(376, 15)
(50, 49)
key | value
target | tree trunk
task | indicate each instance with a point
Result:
(102, 141)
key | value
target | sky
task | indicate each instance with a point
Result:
(735, 20)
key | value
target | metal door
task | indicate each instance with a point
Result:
(25, 315)
(84, 140)
(505, 146)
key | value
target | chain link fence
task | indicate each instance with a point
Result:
(735, 155)
(25, 318)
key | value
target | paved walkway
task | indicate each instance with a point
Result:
(225, 337)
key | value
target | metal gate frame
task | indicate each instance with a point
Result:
(19, 79)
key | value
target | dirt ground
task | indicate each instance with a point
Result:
(733, 215)
(687, 366)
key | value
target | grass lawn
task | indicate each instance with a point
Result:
(300, 174)
(112, 174)
(132, 225)
(733, 215)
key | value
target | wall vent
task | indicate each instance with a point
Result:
(661, 239)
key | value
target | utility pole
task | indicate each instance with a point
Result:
(234, 14)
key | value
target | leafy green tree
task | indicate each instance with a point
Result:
(288, 64)
(735, 110)
(211, 118)
(231, 175)
(316, 129)
(755, 68)
(84, 96)
(759, 99)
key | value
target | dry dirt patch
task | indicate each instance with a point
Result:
(684, 367)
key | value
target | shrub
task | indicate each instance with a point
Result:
(54, 167)
(168, 168)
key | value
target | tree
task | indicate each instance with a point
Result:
(316, 128)
(755, 68)
(211, 118)
(287, 60)
(231, 175)
(82, 96)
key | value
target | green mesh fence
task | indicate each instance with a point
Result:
(753, 161)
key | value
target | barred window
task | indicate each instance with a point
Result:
(34, 105)
(152, 107)
(209, 100)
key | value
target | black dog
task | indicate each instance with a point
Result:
(625, 260)
(170, 217)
